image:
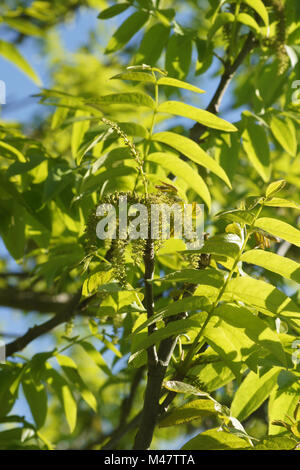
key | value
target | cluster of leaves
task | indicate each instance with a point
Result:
(237, 345)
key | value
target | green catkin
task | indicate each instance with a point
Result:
(277, 44)
(138, 249)
(118, 260)
(69, 326)
(281, 53)
(201, 261)
(133, 150)
(197, 383)
(116, 248)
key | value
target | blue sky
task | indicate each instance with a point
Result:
(21, 105)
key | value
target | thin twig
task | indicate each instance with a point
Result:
(30, 300)
(38, 330)
(227, 76)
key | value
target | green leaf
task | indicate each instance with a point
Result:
(11, 189)
(152, 44)
(11, 152)
(56, 181)
(253, 391)
(179, 84)
(182, 387)
(178, 56)
(247, 20)
(190, 149)
(70, 369)
(284, 132)
(224, 245)
(113, 11)
(143, 341)
(237, 215)
(193, 410)
(126, 31)
(70, 406)
(279, 202)
(242, 320)
(59, 117)
(135, 77)
(11, 439)
(274, 187)
(227, 153)
(78, 130)
(221, 19)
(278, 264)
(148, 4)
(95, 355)
(133, 129)
(113, 175)
(230, 343)
(256, 146)
(134, 98)
(276, 443)
(64, 393)
(279, 229)
(211, 371)
(10, 52)
(19, 168)
(203, 117)
(260, 9)
(214, 439)
(165, 15)
(13, 230)
(94, 281)
(194, 276)
(282, 403)
(87, 145)
(183, 170)
(110, 345)
(26, 27)
(36, 397)
(187, 304)
(9, 376)
(262, 296)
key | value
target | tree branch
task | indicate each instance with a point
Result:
(127, 402)
(30, 300)
(19, 274)
(228, 74)
(123, 426)
(113, 442)
(39, 330)
(149, 303)
(155, 377)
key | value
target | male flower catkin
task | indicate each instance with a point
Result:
(116, 247)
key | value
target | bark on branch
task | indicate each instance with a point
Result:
(38, 330)
(34, 301)
(229, 72)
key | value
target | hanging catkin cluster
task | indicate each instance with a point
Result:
(277, 44)
(116, 247)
